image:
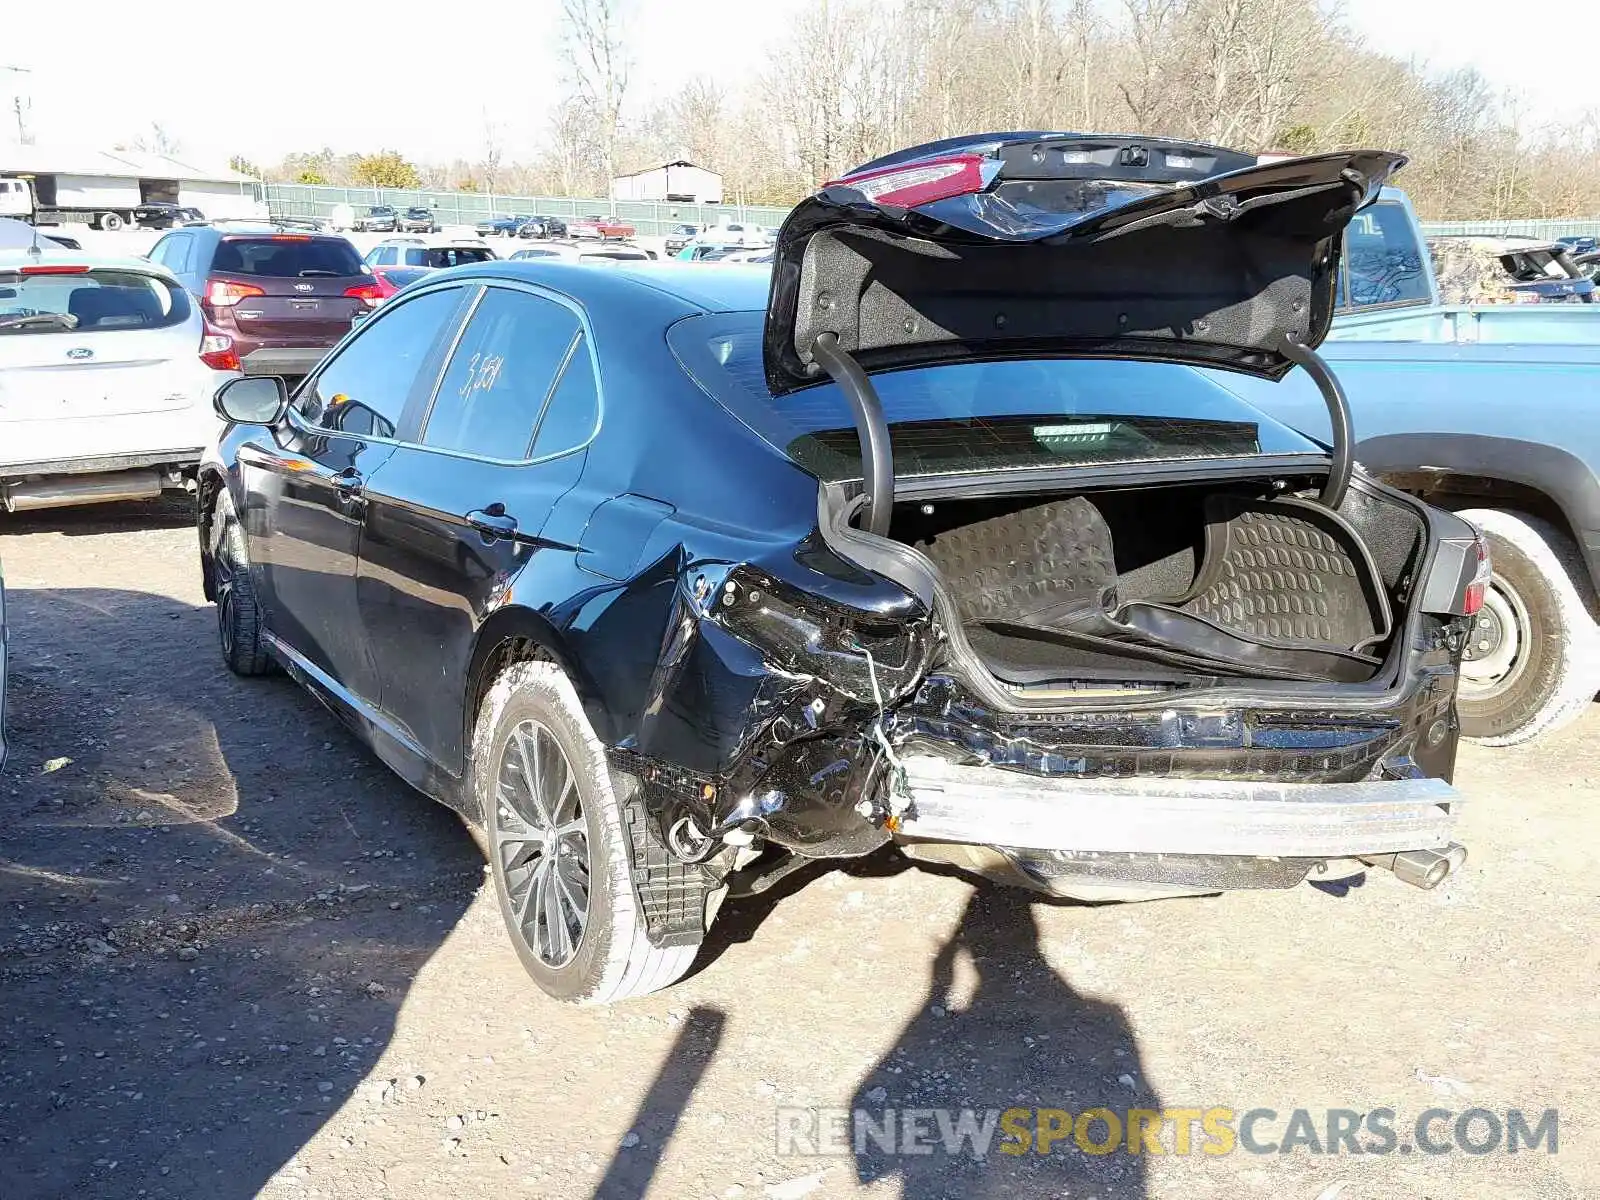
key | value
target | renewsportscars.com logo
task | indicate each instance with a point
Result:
(1149, 1131)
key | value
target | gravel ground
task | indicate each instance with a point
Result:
(240, 958)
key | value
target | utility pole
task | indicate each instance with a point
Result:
(18, 106)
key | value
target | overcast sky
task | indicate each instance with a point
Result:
(355, 77)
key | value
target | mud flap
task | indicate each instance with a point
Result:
(672, 894)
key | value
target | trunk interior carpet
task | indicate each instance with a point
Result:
(1284, 588)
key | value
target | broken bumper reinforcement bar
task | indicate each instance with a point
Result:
(995, 807)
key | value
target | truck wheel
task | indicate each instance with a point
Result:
(558, 849)
(111, 222)
(241, 625)
(1532, 663)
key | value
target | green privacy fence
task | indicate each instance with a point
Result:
(650, 218)
(1546, 231)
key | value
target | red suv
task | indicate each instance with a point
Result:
(284, 298)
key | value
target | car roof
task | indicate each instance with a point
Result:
(732, 289)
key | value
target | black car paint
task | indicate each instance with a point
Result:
(599, 573)
(397, 609)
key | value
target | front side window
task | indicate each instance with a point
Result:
(1382, 259)
(39, 301)
(501, 374)
(366, 388)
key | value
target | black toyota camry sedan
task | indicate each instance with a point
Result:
(941, 534)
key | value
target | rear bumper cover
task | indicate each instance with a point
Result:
(985, 806)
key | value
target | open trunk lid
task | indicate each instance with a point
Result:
(1046, 244)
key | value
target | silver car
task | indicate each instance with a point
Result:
(107, 370)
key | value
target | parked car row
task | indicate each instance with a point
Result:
(523, 227)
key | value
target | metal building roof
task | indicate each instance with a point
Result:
(120, 164)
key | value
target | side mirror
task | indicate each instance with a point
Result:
(252, 400)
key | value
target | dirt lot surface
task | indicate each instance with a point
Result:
(240, 957)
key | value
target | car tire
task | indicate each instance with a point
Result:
(1532, 663)
(111, 222)
(530, 717)
(241, 623)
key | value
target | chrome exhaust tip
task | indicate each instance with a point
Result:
(1425, 869)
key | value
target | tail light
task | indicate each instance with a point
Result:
(56, 269)
(1459, 577)
(224, 293)
(913, 184)
(370, 294)
(1472, 599)
(217, 350)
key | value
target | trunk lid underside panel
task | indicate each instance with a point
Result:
(1089, 274)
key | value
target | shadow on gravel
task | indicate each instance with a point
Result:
(215, 902)
(168, 511)
(998, 1030)
(631, 1168)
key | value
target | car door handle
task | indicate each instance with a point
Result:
(493, 521)
(349, 482)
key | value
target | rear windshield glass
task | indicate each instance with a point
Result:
(1382, 260)
(97, 300)
(287, 257)
(985, 416)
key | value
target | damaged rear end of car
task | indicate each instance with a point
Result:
(1071, 616)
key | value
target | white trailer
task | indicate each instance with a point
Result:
(102, 201)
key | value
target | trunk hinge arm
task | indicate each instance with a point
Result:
(1338, 415)
(877, 455)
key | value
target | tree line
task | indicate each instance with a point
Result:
(853, 79)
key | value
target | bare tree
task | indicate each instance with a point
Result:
(598, 60)
(157, 140)
(571, 158)
(493, 151)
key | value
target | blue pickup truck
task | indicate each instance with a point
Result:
(1492, 410)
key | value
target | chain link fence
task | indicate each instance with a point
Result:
(653, 218)
(649, 218)
(1545, 231)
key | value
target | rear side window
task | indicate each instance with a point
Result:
(365, 389)
(502, 372)
(1382, 259)
(99, 300)
(455, 256)
(286, 257)
(569, 419)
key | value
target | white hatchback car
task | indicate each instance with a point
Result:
(107, 370)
